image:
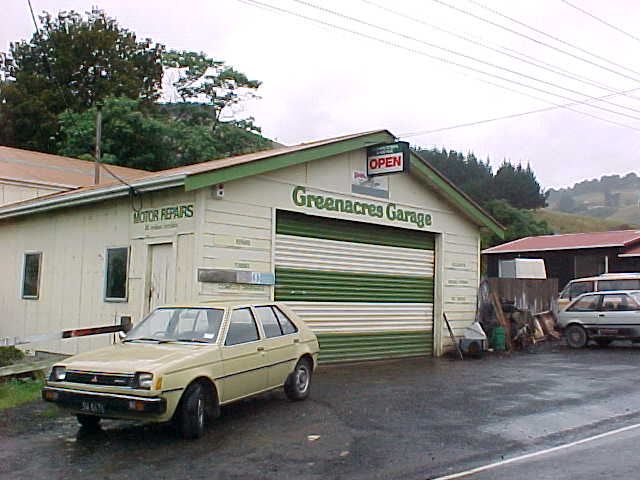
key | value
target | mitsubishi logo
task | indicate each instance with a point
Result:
(95, 379)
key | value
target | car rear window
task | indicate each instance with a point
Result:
(620, 284)
(588, 303)
(286, 324)
(269, 322)
(578, 288)
(242, 328)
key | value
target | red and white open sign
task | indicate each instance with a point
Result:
(385, 159)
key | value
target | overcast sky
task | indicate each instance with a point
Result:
(320, 81)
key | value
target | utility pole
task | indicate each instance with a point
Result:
(96, 175)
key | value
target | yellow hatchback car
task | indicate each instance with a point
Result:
(181, 363)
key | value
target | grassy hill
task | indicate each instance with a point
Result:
(611, 197)
(568, 223)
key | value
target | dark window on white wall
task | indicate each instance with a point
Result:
(31, 275)
(116, 274)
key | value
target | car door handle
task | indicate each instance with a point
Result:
(296, 340)
(601, 314)
(261, 349)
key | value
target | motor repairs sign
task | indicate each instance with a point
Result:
(385, 159)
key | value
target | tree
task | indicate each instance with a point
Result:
(518, 186)
(212, 83)
(133, 138)
(151, 140)
(73, 63)
(473, 176)
(519, 223)
(566, 203)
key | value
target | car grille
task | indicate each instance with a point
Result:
(97, 378)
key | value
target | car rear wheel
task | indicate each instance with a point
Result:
(192, 416)
(298, 382)
(88, 421)
(576, 336)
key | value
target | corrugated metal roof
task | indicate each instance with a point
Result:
(180, 171)
(148, 181)
(31, 167)
(570, 241)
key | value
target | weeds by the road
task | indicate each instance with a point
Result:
(17, 392)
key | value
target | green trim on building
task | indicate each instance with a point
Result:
(321, 286)
(267, 164)
(351, 347)
(302, 225)
(455, 195)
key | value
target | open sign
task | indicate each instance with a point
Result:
(385, 159)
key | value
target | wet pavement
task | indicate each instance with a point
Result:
(410, 419)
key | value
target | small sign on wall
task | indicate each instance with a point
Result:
(386, 159)
(373, 186)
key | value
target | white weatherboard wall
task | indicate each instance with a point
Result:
(239, 231)
(73, 242)
(16, 191)
(236, 232)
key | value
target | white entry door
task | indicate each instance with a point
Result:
(162, 275)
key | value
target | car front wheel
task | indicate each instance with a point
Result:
(193, 412)
(88, 421)
(576, 336)
(298, 383)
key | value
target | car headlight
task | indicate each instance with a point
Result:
(144, 380)
(58, 374)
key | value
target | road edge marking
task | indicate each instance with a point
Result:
(489, 466)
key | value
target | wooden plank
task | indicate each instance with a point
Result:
(533, 295)
(21, 368)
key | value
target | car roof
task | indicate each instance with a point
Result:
(227, 304)
(606, 292)
(608, 276)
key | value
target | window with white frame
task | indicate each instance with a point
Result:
(31, 275)
(116, 273)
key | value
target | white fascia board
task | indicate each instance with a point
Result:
(583, 247)
(91, 196)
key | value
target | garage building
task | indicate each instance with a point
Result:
(369, 262)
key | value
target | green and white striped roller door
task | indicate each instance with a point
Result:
(366, 290)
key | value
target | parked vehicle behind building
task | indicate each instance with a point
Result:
(604, 282)
(602, 317)
(182, 363)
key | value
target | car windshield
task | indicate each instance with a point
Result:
(200, 325)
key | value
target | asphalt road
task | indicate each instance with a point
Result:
(612, 457)
(409, 419)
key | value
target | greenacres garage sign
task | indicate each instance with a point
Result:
(390, 211)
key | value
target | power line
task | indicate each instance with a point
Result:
(272, 8)
(540, 32)
(540, 42)
(595, 17)
(469, 57)
(501, 50)
(504, 117)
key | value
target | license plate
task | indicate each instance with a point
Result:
(92, 407)
(608, 331)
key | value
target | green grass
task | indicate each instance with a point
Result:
(17, 392)
(567, 223)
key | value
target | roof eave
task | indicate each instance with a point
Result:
(581, 247)
(84, 197)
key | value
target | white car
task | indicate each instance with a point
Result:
(602, 317)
